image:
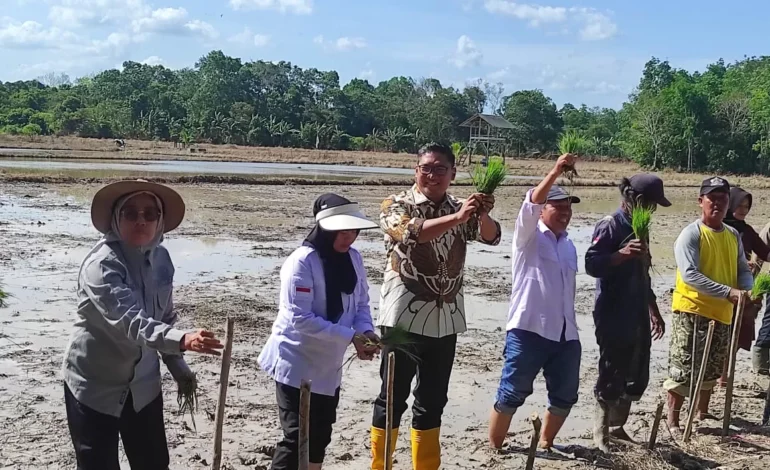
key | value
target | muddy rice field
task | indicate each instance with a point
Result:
(227, 255)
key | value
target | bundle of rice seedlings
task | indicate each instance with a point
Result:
(572, 142)
(486, 180)
(187, 396)
(761, 286)
(641, 218)
(3, 297)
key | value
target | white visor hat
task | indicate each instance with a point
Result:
(346, 217)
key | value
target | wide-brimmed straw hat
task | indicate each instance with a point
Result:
(104, 203)
(344, 217)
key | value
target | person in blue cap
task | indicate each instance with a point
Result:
(626, 315)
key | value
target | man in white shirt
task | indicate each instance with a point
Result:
(541, 329)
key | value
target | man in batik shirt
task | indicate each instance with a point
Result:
(427, 231)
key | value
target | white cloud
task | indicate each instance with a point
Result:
(341, 44)
(172, 21)
(592, 24)
(261, 40)
(153, 60)
(498, 74)
(201, 28)
(597, 26)
(346, 43)
(367, 74)
(31, 34)
(535, 14)
(73, 13)
(466, 54)
(247, 38)
(299, 7)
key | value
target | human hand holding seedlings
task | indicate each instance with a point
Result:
(633, 249)
(486, 201)
(201, 341)
(366, 348)
(469, 207)
(564, 163)
(735, 296)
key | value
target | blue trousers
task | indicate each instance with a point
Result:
(526, 354)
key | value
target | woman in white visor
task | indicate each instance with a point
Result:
(323, 308)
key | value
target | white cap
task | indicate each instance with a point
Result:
(345, 217)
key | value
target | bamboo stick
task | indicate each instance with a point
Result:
(655, 426)
(693, 376)
(389, 444)
(699, 385)
(224, 379)
(536, 425)
(766, 413)
(304, 425)
(731, 366)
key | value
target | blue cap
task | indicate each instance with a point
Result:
(556, 193)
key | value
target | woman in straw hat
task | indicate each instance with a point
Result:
(125, 318)
(324, 307)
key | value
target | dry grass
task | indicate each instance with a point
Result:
(592, 173)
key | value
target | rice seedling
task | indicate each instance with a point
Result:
(761, 286)
(187, 396)
(574, 143)
(486, 180)
(3, 298)
(641, 219)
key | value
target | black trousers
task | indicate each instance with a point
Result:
(432, 364)
(763, 338)
(323, 415)
(95, 435)
(624, 366)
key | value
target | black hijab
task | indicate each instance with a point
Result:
(339, 272)
(737, 195)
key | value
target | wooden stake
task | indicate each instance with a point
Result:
(536, 425)
(699, 384)
(655, 426)
(693, 376)
(224, 379)
(304, 424)
(389, 444)
(731, 366)
(766, 413)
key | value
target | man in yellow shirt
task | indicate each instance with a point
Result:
(711, 273)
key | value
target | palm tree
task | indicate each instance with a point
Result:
(278, 129)
(337, 137)
(256, 127)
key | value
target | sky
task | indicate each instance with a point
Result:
(584, 53)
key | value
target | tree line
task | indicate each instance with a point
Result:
(716, 120)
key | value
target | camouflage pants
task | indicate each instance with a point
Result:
(680, 360)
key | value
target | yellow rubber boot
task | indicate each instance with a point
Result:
(426, 451)
(378, 447)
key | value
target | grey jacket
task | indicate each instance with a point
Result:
(125, 318)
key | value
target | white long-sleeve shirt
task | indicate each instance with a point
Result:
(543, 278)
(303, 343)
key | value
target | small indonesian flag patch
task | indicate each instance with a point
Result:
(303, 290)
(595, 241)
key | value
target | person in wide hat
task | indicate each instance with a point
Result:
(112, 383)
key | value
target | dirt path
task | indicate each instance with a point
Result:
(227, 254)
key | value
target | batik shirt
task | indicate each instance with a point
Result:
(423, 286)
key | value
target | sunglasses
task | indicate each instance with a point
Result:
(436, 170)
(150, 214)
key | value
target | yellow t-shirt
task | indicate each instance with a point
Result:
(717, 255)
